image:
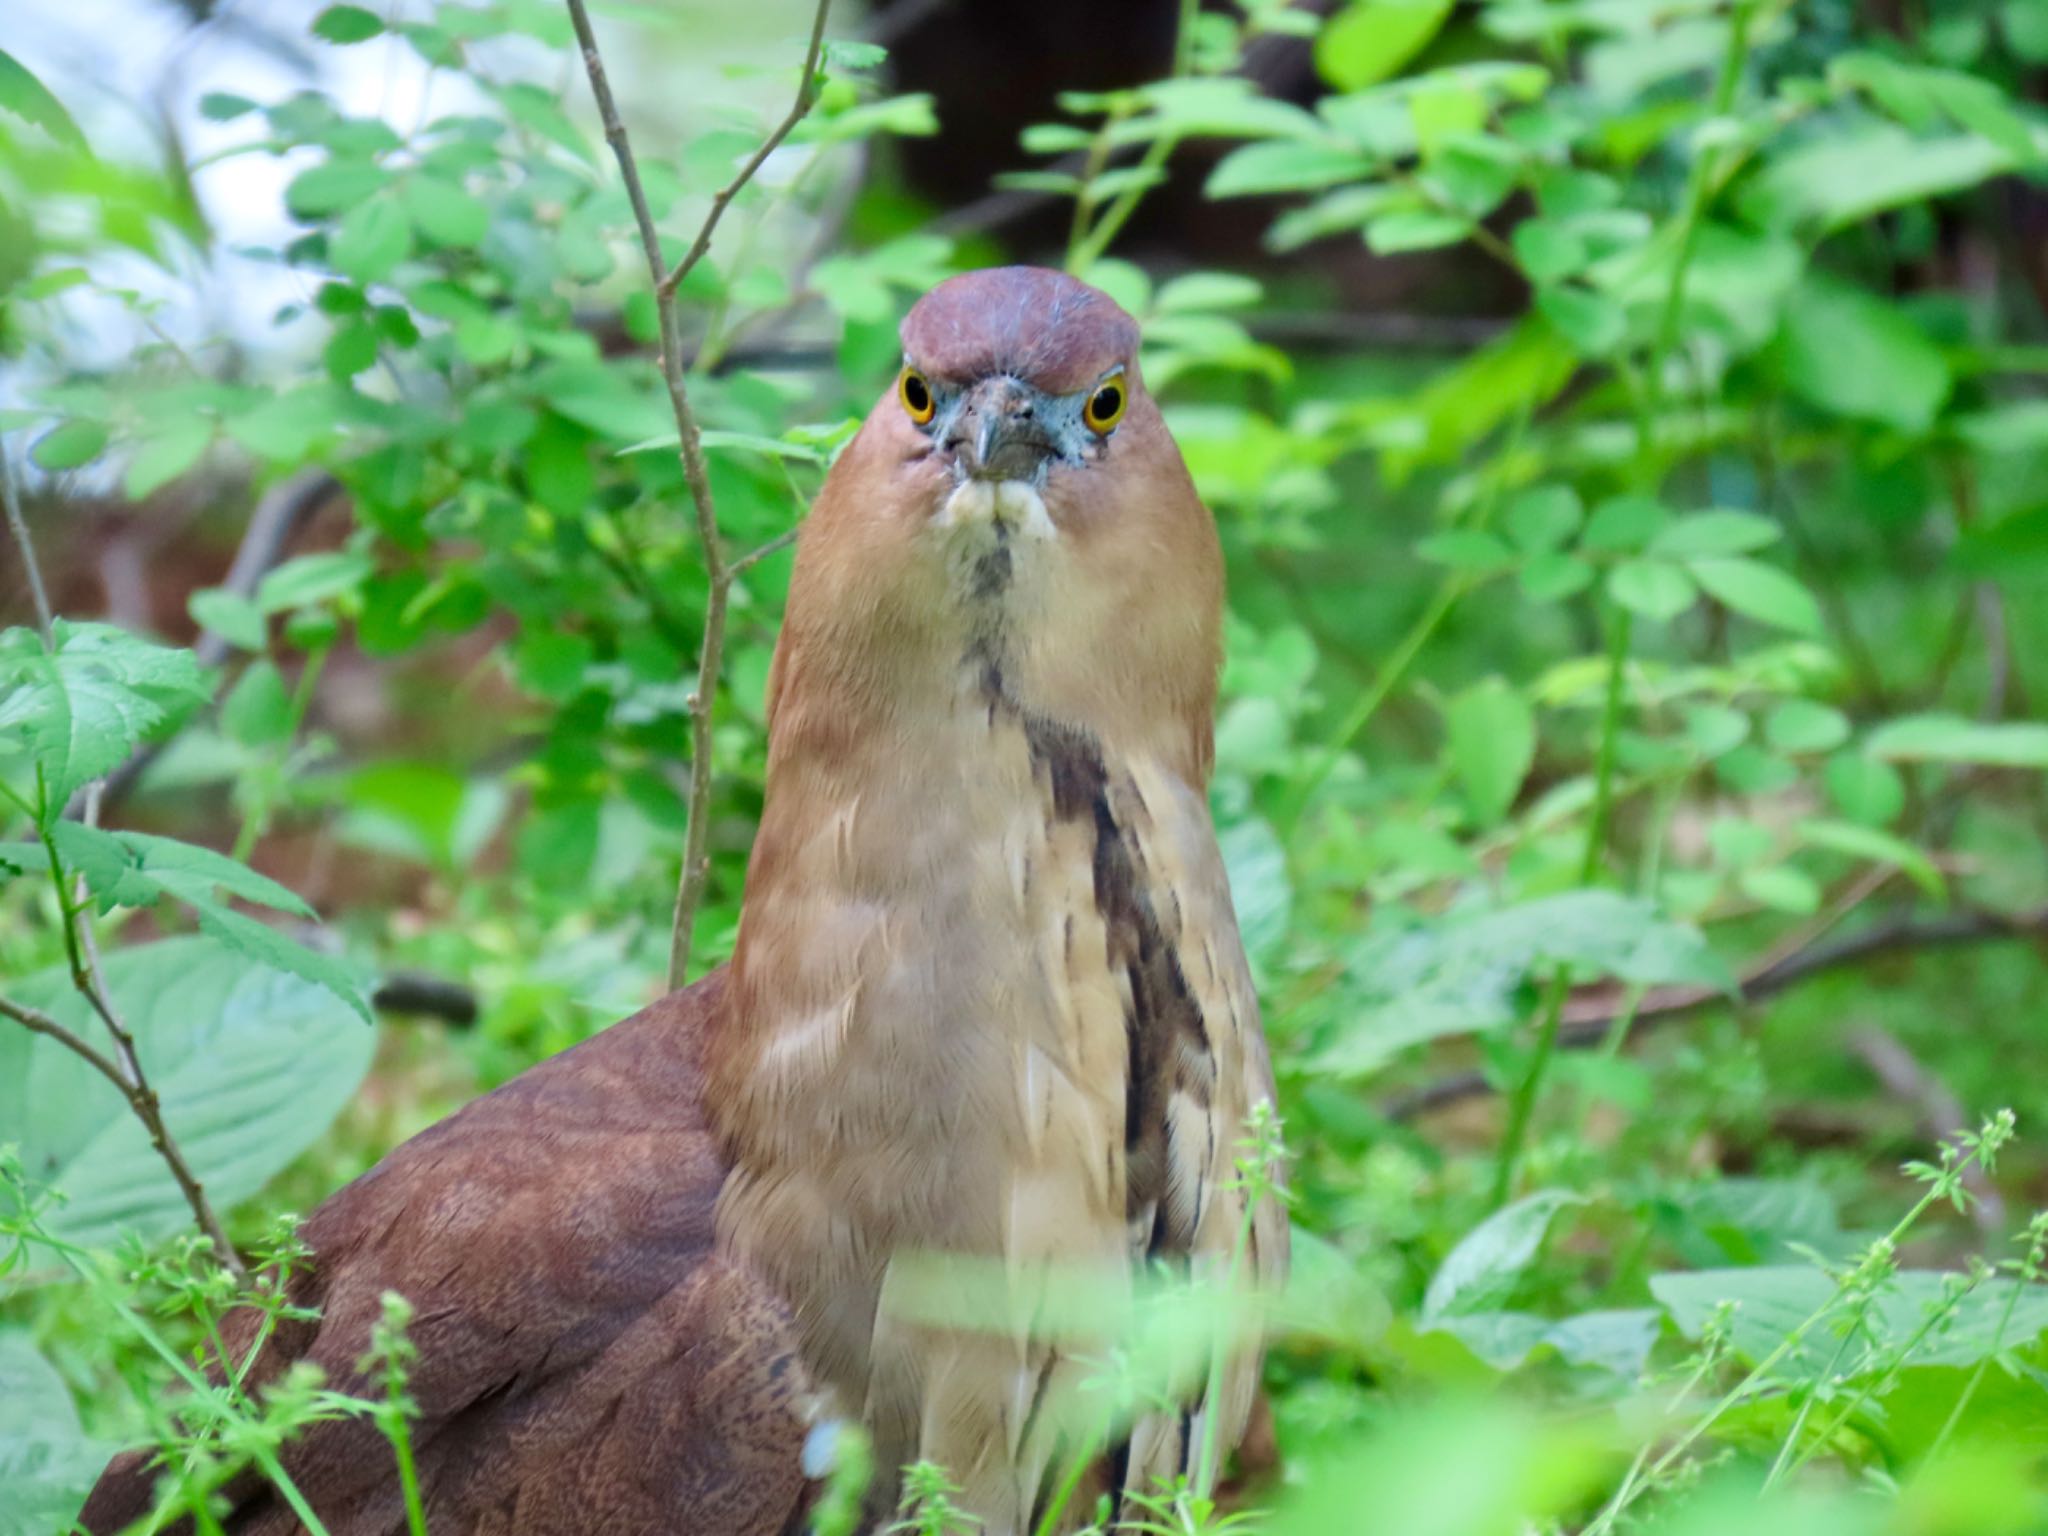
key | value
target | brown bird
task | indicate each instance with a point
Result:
(989, 1006)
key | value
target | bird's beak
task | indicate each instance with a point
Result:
(997, 435)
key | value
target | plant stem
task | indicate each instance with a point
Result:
(1084, 252)
(696, 869)
(18, 526)
(1523, 1105)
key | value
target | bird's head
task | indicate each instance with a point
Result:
(1014, 512)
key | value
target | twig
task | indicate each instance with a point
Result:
(696, 860)
(1586, 1025)
(754, 557)
(18, 526)
(35, 1021)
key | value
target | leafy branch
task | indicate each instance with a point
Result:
(123, 1069)
(720, 573)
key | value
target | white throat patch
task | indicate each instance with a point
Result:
(1011, 502)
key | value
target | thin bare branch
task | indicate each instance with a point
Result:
(711, 652)
(781, 541)
(37, 1022)
(1586, 1020)
(18, 526)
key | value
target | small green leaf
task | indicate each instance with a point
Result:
(1551, 576)
(373, 239)
(1372, 39)
(444, 213)
(1415, 230)
(220, 107)
(22, 94)
(347, 24)
(228, 614)
(258, 712)
(1715, 533)
(1544, 516)
(1853, 354)
(1781, 888)
(1954, 739)
(1465, 549)
(1592, 322)
(1864, 842)
(1624, 524)
(312, 579)
(1286, 165)
(1491, 734)
(1865, 789)
(1758, 591)
(1549, 250)
(332, 186)
(1800, 725)
(70, 444)
(167, 455)
(1655, 589)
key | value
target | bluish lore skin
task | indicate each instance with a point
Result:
(1004, 428)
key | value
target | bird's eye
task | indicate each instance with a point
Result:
(916, 396)
(1105, 408)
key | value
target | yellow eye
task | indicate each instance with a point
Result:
(916, 396)
(1105, 408)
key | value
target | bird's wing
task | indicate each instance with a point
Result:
(585, 1361)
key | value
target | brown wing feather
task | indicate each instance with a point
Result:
(586, 1361)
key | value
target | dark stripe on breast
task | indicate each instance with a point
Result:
(1167, 1039)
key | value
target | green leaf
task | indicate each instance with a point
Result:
(1781, 888)
(221, 107)
(374, 237)
(258, 712)
(1196, 292)
(1853, 354)
(1260, 889)
(83, 710)
(1624, 524)
(1481, 1272)
(444, 213)
(230, 615)
(1544, 516)
(347, 24)
(1865, 789)
(134, 869)
(1655, 589)
(250, 1065)
(1372, 39)
(312, 579)
(70, 444)
(1758, 591)
(1954, 739)
(1714, 533)
(1592, 322)
(167, 454)
(332, 186)
(1800, 725)
(1549, 249)
(1285, 165)
(1491, 733)
(1844, 178)
(1467, 549)
(1551, 576)
(47, 1465)
(1415, 230)
(1863, 842)
(22, 94)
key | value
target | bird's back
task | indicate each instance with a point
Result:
(585, 1360)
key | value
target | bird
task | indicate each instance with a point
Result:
(988, 1026)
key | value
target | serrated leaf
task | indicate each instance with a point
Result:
(250, 1066)
(83, 710)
